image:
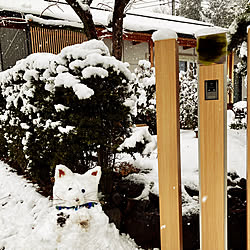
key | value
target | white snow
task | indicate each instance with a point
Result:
(94, 71)
(230, 117)
(60, 107)
(67, 80)
(241, 105)
(210, 31)
(51, 22)
(85, 57)
(83, 5)
(28, 220)
(65, 130)
(236, 160)
(243, 49)
(135, 20)
(140, 134)
(164, 34)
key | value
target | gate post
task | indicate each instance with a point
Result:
(211, 49)
(168, 138)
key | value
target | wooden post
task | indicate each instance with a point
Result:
(212, 144)
(168, 141)
(248, 141)
(212, 160)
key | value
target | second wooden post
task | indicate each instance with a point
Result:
(212, 141)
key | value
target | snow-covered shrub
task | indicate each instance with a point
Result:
(240, 115)
(188, 100)
(237, 41)
(230, 87)
(144, 90)
(64, 109)
(140, 141)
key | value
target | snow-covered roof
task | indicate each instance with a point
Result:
(134, 21)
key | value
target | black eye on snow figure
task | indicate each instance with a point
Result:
(83, 191)
(70, 189)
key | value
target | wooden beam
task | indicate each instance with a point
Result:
(248, 143)
(130, 36)
(168, 141)
(212, 159)
(187, 43)
(13, 23)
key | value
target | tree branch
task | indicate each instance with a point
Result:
(86, 18)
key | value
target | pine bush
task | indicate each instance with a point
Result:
(188, 100)
(143, 87)
(64, 109)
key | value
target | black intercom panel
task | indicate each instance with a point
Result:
(211, 90)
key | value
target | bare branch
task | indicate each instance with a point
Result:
(106, 5)
(47, 8)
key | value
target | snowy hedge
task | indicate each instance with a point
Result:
(64, 109)
(143, 86)
(188, 100)
(144, 91)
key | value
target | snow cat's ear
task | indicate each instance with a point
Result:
(62, 171)
(95, 172)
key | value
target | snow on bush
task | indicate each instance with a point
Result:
(143, 87)
(64, 109)
(239, 120)
(188, 100)
(141, 141)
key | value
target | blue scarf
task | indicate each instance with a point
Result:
(87, 205)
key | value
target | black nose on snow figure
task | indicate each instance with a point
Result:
(83, 191)
(77, 199)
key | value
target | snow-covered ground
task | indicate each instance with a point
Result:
(25, 214)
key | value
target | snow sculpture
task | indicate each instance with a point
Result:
(73, 191)
(81, 222)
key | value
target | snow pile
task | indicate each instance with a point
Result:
(241, 105)
(29, 221)
(237, 117)
(22, 210)
(53, 22)
(230, 117)
(210, 31)
(163, 34)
